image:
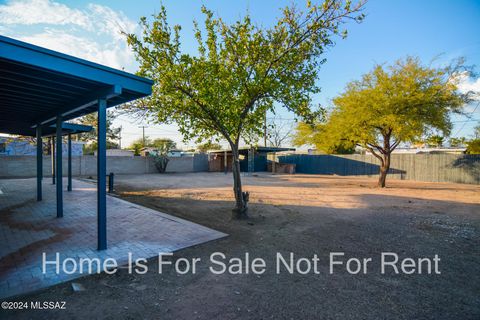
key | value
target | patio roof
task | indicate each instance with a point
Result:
(40, 89)
(67, 128)
(37, 84)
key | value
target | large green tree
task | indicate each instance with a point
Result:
(400, 103)
(240, 71)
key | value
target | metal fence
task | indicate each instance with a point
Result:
(420, 167)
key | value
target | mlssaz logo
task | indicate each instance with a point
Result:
(48, 305)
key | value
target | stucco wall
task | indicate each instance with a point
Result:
(25, 166)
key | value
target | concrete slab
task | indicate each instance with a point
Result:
(29, 228)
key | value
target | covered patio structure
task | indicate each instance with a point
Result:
(40, 89)
(68, 129)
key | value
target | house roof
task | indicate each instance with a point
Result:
(67, 128)
(257, 149)
(38, 84)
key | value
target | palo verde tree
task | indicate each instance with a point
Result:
(240, 71)
(390, 105)
(314, 134)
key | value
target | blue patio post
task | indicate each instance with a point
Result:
(52, 155)
(69, 186)
(39, 163)
(58, 173)
(101, 175)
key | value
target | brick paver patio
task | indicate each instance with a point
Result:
(28, 228)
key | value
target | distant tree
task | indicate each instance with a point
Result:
(113, 134)
(476, 131)
(278, 131)
(396, 104)
(138, 144)
(163, 145)
(435, 141)
(457, 142)
(240, 70)
(418, 142)
(209, 145)
(473, 146)
(91, 147)
(314, 134)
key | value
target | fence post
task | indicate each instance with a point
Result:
(110, 182)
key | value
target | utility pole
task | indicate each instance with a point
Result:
(143, 134)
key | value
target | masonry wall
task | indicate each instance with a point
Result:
(25, 166)
(419, 167)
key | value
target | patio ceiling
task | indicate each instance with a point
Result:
(37, 85)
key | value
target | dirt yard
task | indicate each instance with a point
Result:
(306, 215)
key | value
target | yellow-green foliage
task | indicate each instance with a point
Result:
(394, 104)
(315, 134)
(473, 146)
(240, 70)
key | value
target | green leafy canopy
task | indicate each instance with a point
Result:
(241, 70)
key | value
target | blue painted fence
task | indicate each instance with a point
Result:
(421, 167)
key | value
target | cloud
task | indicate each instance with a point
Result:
(110, 22)
(114, 55)
(41, 11)
(467, 84)
(92, 33)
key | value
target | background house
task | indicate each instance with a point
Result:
(257, 156)
(24, 147)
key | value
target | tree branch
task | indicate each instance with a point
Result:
(376, 155)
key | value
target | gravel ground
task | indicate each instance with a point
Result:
(306, 215)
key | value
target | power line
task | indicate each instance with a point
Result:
(469, 120)
(152, 134)
(474, 109)
(161, 129)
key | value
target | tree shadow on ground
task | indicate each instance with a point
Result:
(408, 226)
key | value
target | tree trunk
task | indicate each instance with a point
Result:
(384, 170)
(241, 199)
